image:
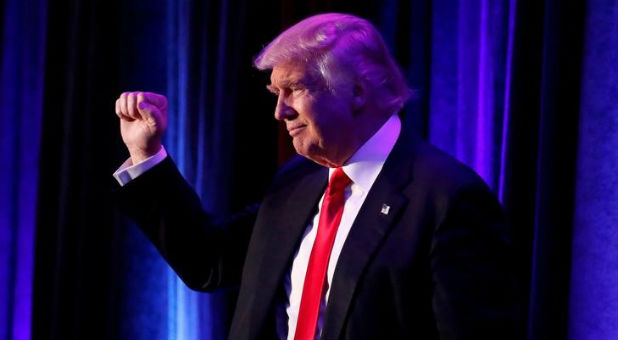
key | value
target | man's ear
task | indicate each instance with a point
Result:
(359, 95)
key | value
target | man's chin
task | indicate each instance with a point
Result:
(300, 147)
(310, 156)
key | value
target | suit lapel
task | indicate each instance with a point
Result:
(379, 212)
(287, 224)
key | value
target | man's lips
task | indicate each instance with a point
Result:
(295, 130)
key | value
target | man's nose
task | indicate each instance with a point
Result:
(283, 110)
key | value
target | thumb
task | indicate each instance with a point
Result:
(149, 113)
(156, 99)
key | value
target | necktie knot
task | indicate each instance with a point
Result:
(338, 181)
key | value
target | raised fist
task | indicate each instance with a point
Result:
(143, 119)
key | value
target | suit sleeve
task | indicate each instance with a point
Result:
(476, 293)
(205, 253)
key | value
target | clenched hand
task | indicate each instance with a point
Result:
(143, 119)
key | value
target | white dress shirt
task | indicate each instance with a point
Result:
(129, 171)
(362, 168)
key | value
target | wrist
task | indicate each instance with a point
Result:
(140, 155)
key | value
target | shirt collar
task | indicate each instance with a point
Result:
(366, 163)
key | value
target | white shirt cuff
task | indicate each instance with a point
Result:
(128, 172)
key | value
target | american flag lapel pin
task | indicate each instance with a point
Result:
(385, 209)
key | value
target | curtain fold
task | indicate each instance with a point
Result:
(593, 303)
(22, 42)
(74, 292)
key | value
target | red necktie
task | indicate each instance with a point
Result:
(330, 216)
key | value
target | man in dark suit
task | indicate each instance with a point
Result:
(373, 234)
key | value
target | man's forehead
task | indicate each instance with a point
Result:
(291, 73)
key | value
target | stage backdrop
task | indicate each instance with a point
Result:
(525, 92)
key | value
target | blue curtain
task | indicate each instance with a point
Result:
(526, 93)
(470, 73)
(200, 67)
(491, 79)
(593, 304)
(22, 44)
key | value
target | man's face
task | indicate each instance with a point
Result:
(320, 122)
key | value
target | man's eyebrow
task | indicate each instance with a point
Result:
(271, 89)
(284, 84)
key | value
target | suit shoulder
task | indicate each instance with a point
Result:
(442, 171)
(454, 189)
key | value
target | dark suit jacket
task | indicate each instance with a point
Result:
(437, 265)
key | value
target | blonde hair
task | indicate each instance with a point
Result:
(334, 43)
